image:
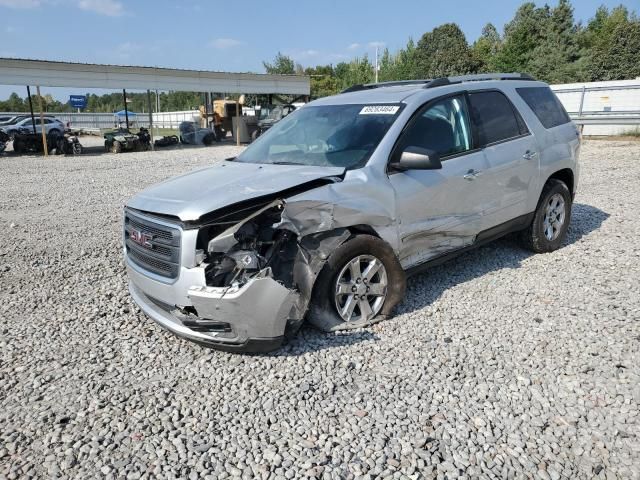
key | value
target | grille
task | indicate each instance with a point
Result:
(160, 252)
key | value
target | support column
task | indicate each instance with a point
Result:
(126, 112)
(45, 147)
(33, 120)
(150, 118)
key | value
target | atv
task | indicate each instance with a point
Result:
(25, 141)
(122, 140)
(269, 116)
(4, 139)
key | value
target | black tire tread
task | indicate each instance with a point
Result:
(532, 237)
(322, 313)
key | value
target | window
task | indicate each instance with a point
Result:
(495, 117)
(443, 127)
(545, 105)
(324, 135)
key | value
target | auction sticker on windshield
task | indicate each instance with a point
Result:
(379, 110)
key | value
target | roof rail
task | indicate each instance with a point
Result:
(442, 81)
(368, 86)
(481, 77)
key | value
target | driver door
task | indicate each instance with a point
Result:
(440, 210)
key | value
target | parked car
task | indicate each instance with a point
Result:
(11, 119)
(51, 124)
(325, 215)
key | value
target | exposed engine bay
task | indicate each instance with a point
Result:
(265, 243)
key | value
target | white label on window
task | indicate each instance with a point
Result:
(379, 110)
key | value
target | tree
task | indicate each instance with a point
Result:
(612, 42)
(486, 48)
(554, 59)
(443, 52)
(323, 80)
(521, 36)
(282, 64)
(15, 104)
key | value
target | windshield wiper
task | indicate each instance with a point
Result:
(285, 163)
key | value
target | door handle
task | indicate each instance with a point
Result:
(528, 155)
(471, 174)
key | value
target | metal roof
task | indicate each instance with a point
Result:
(15, 71)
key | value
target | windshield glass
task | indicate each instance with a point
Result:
(276, 113)
(329, 135)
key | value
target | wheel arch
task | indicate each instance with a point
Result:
(566, 176)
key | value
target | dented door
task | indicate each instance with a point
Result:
(440, 210)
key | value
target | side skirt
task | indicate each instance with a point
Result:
(484, 237)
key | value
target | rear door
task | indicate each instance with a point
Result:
(511, 152)
(440, 210)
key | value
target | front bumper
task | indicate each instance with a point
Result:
(256, 313)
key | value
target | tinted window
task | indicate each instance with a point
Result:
(545, 105)
(443, 127)
(495, 117)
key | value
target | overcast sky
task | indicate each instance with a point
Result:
(234, 35)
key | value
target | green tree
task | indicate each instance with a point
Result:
(323, 80)
(282, 64)
(554, 59)
(15, 104)
(486, 48)
(612, 42)
(521, 36)
(443, 52)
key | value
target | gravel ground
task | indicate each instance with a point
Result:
(499, 364)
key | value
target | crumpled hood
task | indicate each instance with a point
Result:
(202, 191)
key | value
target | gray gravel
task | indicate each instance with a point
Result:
(500, 364)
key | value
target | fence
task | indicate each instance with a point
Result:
(602, 108)
(109, 120)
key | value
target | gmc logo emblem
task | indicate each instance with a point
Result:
(141, 238)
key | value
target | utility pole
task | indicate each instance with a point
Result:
(33, 120)
(126, 112)
(376, 64)
(45, 147)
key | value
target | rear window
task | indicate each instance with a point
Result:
(545, 105)
(495, 117)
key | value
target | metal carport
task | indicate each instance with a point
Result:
(44, 73)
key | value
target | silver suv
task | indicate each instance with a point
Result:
(326, 214)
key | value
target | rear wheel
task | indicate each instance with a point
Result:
(18, 146)
(360, 284)
(551, 219)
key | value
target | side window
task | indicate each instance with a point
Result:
(443, 127)
(495, 117)
(545, 105)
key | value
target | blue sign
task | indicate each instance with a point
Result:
(78, 101)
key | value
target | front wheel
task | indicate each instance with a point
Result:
(551, 219)
(360, 284)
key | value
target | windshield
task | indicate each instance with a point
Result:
(330, 136)
(275, 114)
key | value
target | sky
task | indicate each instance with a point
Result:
(235, 36)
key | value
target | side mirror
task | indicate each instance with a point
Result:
(417, 158)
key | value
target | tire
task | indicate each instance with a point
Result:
(116, 147)
(550, 222)
(18, 146)
(208, 139)
(54, 132)
(323, 310)
(254, 135)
